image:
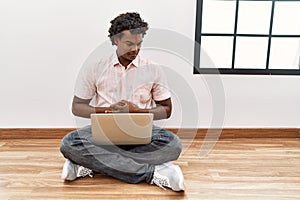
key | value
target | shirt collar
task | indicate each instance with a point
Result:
(115, 61)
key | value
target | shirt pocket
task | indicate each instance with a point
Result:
(142, 94)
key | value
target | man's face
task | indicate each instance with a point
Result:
(128, 46)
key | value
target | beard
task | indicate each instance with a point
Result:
(130, 55)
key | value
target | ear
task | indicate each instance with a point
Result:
(116, 40)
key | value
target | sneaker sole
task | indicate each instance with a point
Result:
(181, 186)
(65, 172)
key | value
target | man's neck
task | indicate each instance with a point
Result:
(124, 62)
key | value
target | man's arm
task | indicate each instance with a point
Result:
(81, 108)
(162, 110)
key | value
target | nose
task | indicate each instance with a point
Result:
(135, 48)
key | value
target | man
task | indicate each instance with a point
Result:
(124, 82)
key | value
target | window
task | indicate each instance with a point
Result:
(247, 37)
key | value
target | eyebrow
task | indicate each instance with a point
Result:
(133, 43)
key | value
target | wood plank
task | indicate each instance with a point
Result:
(187, 133)
(242, 168)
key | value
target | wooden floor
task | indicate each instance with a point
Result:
(234, 169)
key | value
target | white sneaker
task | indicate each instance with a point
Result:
(71, 171)
(168, 175)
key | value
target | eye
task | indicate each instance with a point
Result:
(129, 43)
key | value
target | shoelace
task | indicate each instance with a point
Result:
(161, 181)
(82, 172)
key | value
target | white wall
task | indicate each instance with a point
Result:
(43, 44)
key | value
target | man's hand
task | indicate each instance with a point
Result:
(124, 107)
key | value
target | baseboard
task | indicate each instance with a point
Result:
(200, 133)
(34, 133)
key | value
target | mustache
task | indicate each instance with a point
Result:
(131, 53)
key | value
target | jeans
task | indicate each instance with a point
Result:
(129, 163)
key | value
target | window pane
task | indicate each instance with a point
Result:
(284, 53)
(218, 49)
(286, 18)
(251, 52)
(254, 17)
(218, 16)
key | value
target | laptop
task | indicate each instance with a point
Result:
(122, 128)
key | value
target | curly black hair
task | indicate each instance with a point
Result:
(127, 21)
